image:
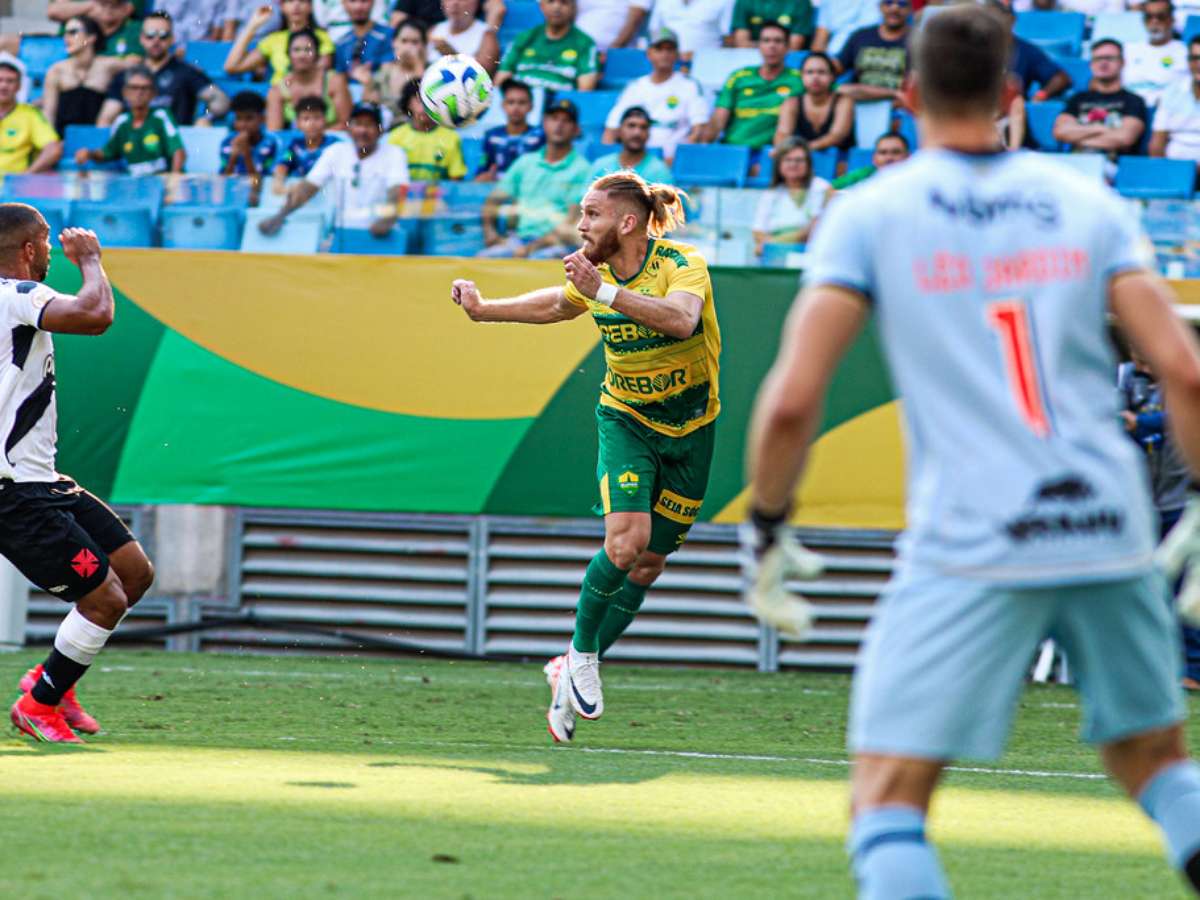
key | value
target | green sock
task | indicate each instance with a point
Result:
(600, 585)
(621, 612)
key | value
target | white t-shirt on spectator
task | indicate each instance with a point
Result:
(777, 211)
(1092, 7)
(361, 185)
(331, 15)
(1179, 115)
(602, 20)
(1150, 70)
(676, 106)
(841, 18)
(699, 24)
(464, 42)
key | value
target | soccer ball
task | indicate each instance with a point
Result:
(456, 90)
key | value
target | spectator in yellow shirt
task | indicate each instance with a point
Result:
(434, 152)
(28, 143)
(273, 49)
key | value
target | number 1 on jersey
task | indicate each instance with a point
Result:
(1010, 318)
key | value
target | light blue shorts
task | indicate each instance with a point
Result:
(945, 659)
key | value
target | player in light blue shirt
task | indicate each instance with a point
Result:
(991, 276)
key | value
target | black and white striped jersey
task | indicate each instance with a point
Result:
(28, 412)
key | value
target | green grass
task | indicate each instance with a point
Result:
(221, 776)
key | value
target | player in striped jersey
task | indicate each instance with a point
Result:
(652, 300)
(991, 276)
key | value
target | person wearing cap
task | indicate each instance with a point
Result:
(698, 24)
(555, 56)
(748, 107)
(678, 111)
(633, 133)
(369, 178)
(545, 187)
(749, 16)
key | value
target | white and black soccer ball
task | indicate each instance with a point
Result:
(456, 90)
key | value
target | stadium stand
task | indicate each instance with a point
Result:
(201, 227)
(715, 165)
(1149, 178)
(122, 226)
(1053, 32)
(1040, 117)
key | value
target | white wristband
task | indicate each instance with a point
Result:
(606, 293)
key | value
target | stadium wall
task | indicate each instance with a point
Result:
(352, 383)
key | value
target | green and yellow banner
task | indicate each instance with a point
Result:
(340, 382)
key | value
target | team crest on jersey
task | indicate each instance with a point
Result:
(628, 482)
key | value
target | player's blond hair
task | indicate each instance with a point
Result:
(662, 204)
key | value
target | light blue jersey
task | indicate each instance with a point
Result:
(989, 277)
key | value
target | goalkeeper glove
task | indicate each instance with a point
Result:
(770, 554)
(1180, 552)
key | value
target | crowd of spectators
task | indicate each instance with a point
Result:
(325, 64)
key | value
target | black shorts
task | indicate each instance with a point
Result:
(58, 535)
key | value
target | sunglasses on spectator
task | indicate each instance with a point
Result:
(72, 31)
(1194, 57)
(156, 35)
(1107, 57)
(901, 3)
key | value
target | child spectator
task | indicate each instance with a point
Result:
(302, 152)
(249, 150)
(145, 141)
(434, 152)
(504, 143)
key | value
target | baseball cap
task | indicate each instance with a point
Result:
(663, 36)
(363, 108)
(563, 105)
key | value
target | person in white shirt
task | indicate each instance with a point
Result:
(1177, 122)
(1153, 65)
(371, 178)
(838, 19)
(699, 24)
(675, 102)
(787, 212)
(332, 16)
(463, 31)
(611, 23)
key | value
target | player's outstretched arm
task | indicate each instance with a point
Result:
(540, 307)
(91, 310)
(1142, 304)
(820, 328)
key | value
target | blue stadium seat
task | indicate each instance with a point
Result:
(712, 165)
(1126, 27)
(83, 137)
(519, 16)
(871, 119)
(39, 52)
(208, 57)
(301, 233)
(1054, 32)
(201, 227)
(116, 225)
(824, 163)
(1080, 71)
(472, 151)
(1040, 117)
(234, 85)
(906, 125)
(795, 59)
(712, 67)
(1148, 178)
(623, 65)
(460, 195)
(1191, 28)
(593, 106)
(782, 256)
(762, 167)
(1091, 165)
(203, 146)
(359, 240)
(859, 157)
(452, 235)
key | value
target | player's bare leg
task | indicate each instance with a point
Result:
(1154, 769)
(136, 574)
(891, 857)
(80, 637)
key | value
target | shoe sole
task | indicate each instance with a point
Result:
(552, 680)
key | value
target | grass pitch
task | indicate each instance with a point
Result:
(222, 776)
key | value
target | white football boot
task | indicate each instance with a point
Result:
(583, 679)
(560, 717)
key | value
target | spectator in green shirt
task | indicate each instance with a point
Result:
(796, 16)
(546, 186)
(556, 56)
(115, 17)
(889, 149)
(632, 133)
(145, 141)
(747, 109)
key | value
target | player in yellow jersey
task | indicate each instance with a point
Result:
(653, 303)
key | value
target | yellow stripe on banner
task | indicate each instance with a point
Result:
(677, 507)
(854, 477)
(607, 503)
(376, 332)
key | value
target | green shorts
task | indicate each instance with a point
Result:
(640, 470)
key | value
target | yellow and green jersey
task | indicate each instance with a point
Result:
(668, 384)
